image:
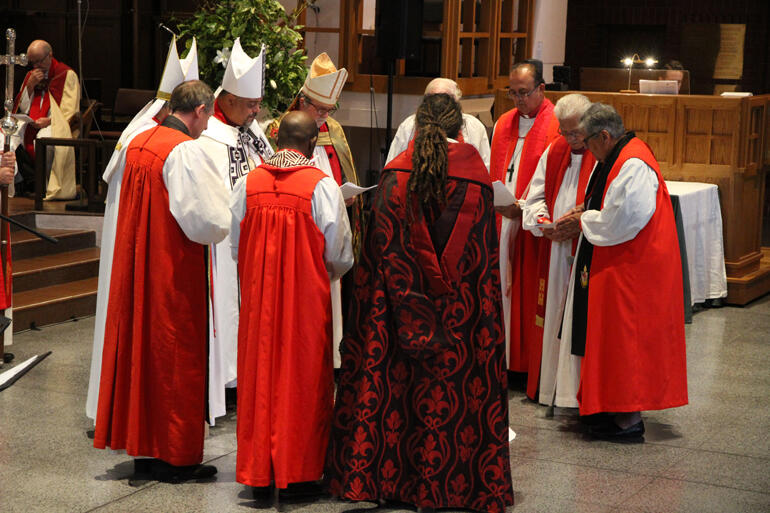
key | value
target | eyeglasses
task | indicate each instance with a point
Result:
(588, 137)
(32, 63)
(513, 95)
(321, 110)
(574, 134)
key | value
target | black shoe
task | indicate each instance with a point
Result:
(262, 494)
(167, 473)
(611, 432)
(301, 492)
(595, 419)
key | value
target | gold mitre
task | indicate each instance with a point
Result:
(324, 81)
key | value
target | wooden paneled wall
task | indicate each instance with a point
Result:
(724, 141)
(122, 44)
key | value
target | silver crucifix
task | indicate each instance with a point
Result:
(9, 123)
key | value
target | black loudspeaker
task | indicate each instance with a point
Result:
(398, 29)
(561, 74)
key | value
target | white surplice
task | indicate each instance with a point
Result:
(474, 133)
(113, 175)
(510, 228)
(628, 206)
(235, 152)
(321, 161)
(558, 377)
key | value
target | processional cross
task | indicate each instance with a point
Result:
(9, 125)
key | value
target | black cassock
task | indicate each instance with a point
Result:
(421, 413)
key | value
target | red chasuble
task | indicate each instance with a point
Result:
(635, 346)
(152, 393)
(285, 381)
(57, 75)
(524, 252)
(559, 158)
(422, 414)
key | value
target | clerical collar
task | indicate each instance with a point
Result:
(288, 158)
(177, 124)
(220, 115)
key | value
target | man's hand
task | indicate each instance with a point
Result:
(568, 225)
(511, 211)
(7, 162)
(350, 201)
(35, 77)
(41, 123)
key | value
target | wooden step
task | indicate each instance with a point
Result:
(26, 218)
(43, 271)
(27, 245)
(55, 303)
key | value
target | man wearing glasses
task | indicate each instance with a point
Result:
(519, 139)
(50, 95)
(558, 185)
(632, 348)
(318, 98)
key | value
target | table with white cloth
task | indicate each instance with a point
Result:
(702, 227)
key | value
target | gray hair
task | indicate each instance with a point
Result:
(601, 116)
(445, 86)
(187, 96)
(571, 106)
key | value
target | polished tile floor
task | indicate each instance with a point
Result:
(710, 456)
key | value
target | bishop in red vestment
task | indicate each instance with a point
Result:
(152, 394)
(294, 237)
(421, 414)
(520, 137)
(624, 312)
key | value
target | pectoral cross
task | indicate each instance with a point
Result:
(9, 126)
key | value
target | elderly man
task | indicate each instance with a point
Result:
(558, 185)
(237, 144)
(473, 131)
(152, 396)
(154, 113)
(50, 95)
(289, 233)
(633, 349)
(520, 137)
(318, 98)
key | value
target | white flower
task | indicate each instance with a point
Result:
(222, 57)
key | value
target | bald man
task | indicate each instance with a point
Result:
(473, 131)
(50, 95)
(290, 224)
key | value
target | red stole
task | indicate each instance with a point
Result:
(285, 382)
(543, 131)
(525, 248)
(57, 76)
(559, 158)
(334, 161)
(635, 348)
(221, 115)
(152, 394)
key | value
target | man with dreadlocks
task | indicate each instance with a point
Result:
(421, 415)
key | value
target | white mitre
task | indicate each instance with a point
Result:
(177, 71)
(174, 73)
(244, 76)
(324, 81)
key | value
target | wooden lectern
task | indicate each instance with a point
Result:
(709, 139)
